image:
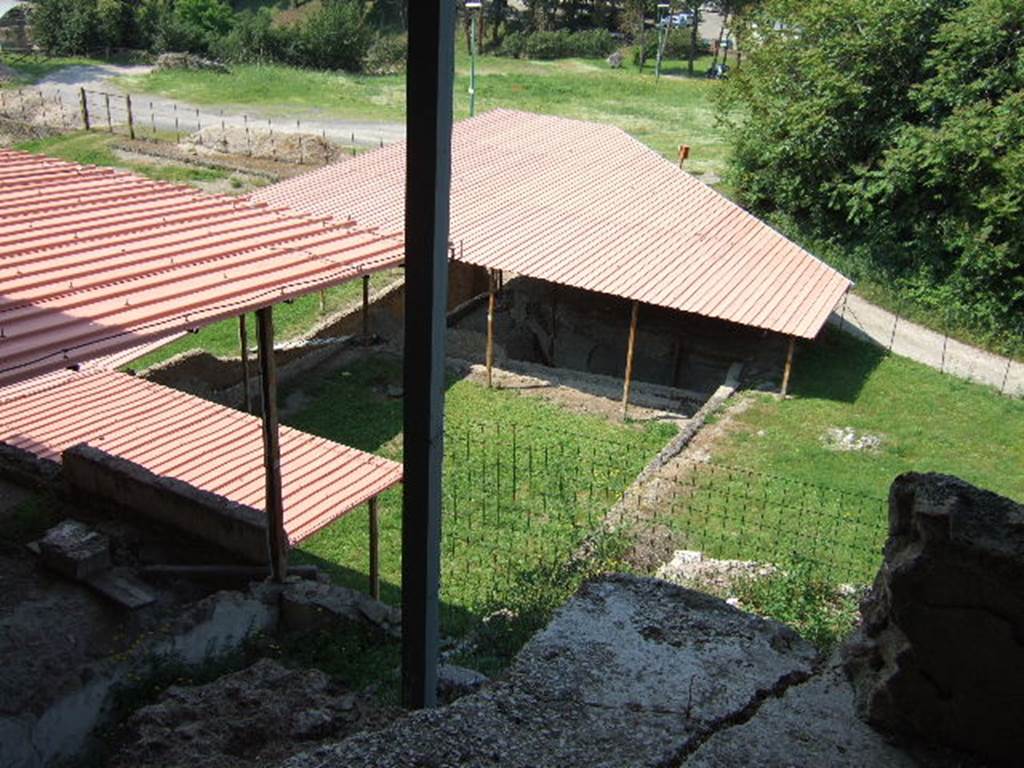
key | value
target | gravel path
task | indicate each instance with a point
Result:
(867, 321)
(150, 109)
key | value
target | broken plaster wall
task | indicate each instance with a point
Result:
(61, 729)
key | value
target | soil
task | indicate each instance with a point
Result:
(644, 501)
(255, 717)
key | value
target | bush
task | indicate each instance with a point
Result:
(387, 55)
(558, 44)
(252, 40)
(334, 37)
(66, 26)
(676, 47)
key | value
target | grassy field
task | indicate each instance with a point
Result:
(663, 114)
(96, 149)
(32, 70)
(796, 498)
(291, 320)
(525, 482)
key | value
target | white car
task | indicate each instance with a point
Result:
(677, 20)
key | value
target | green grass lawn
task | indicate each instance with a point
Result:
(525, 482)
(95, 148)
(31, 70)
(663, 114)
(808, 502)
(291, 320)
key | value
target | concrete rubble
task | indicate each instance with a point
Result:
(940, 657)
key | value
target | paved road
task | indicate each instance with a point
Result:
(163, 112)
(875, 324)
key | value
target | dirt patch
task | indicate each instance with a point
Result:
(262, 144)
(643, 507)
(255, 717)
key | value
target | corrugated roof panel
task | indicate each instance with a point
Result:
(208, 446)
(586, 205)
(95, 261)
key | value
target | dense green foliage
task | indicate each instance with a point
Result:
(337, 34)
(895, 131)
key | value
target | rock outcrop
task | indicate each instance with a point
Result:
(940, 656)
(631, 671)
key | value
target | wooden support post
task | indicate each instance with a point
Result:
(323, 301)
(492, 288)
(554, 325)
(277, 540)
(789, 366)
(110, 122)
(243, 344)
(374, 549)
(366, 307)
(630, 349)
(84, 102)
(131, 117)
(427, 191)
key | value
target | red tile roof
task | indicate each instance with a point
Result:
(208, 446)
(586, 205)
(93, 260)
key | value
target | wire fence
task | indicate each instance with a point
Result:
(42, 112)
(529, 513)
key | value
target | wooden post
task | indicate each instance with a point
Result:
(554, 324)
(131, 117)
(323, 301)
(110, 122)
(366, 307)
(630, 349)
(374, 549)
(789, 366)
(277, 541)
(491, 291)
(84, 102)
(243, 343)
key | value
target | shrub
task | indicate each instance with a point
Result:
(253, 39)
(334, 37)
(387, 55)
(66, 26)
(558, 44)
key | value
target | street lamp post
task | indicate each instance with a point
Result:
(473, 7)
(664, 21)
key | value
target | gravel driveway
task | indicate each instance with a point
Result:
(169, 115)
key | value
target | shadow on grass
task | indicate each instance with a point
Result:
(835, 368)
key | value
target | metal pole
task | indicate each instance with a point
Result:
(789, 366)
(243, 343)
(630, 349)
(428, 186)
(374, 549)
(277, 540)
(472, 65)
(491, 291)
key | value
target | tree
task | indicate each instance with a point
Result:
(66, 26)
(896, 131)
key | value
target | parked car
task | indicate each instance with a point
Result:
(677, 20)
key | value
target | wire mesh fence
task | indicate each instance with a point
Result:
(528, 514)
(154, 119)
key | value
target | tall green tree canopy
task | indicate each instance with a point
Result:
(895, 129)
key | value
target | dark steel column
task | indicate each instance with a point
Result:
(277, 540)
(428, 177)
